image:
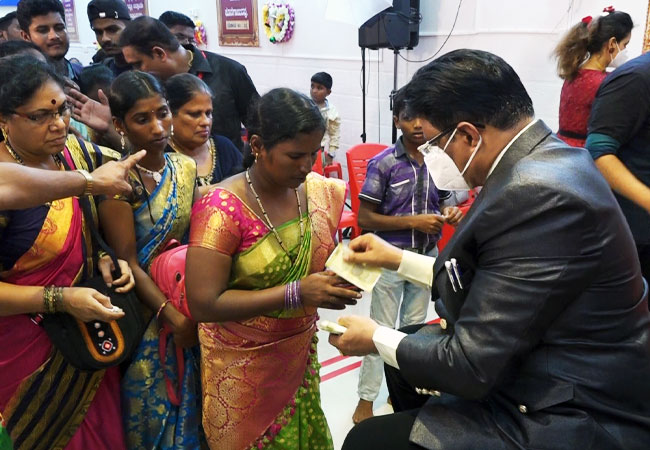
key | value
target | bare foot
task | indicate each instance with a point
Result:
(363, 411)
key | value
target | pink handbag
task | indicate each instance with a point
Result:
(168, 272)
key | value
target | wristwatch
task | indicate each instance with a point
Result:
(88, 191)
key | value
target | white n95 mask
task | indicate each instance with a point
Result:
(620, 59)
(442, 168)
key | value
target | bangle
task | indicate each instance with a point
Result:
(89, 182)
(48, 300)
(161, 308)
(292, 296)
(58, 299)
(101, 254)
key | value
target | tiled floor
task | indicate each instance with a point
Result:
(340, 375)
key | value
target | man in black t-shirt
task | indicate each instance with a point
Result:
(619, 142)
(148, 45)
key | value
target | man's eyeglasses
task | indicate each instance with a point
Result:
(434, 140)
(47, 117)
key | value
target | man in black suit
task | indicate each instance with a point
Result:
(544, 340)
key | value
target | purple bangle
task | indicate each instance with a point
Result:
(292, 298)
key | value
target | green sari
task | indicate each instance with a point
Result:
(260, 376)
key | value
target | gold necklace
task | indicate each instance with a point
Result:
(205, 180)
(19, 160)
(189, 63)
(268, 221)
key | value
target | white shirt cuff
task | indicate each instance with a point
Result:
(416, 268)
(386, 340)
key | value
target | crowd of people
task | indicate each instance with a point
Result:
(544, 337)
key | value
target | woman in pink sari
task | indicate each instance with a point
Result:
(46, 403)
(254, 275)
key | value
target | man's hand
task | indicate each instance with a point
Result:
(374, 251)
(112, 178)
(428, 223)
(453, 215)
(357, 340)
(94, 114)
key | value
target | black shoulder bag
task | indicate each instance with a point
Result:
(97, 345)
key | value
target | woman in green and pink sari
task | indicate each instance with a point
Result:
(261, 239)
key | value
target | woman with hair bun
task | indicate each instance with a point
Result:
(583, 55)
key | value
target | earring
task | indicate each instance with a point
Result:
(256, 155)
(172, 132)
(122, 143)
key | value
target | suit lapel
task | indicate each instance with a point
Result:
(520, 148)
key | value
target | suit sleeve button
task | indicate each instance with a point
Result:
(523, 409)
(443, 324)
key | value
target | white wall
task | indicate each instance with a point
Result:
(523, 32)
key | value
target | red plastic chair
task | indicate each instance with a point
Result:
(448, 230)
(357, 158)
(318, 164)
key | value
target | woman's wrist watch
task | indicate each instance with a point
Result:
(88, 191)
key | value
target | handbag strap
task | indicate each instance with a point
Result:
(173, 395)
(86, 208)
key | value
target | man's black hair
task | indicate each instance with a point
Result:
(173, 18)
(145, 33)
(6, 20)
(468, 85)
(28, 9)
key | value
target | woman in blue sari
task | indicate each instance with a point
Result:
(158, 414)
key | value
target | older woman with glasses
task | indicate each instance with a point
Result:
(46, 250)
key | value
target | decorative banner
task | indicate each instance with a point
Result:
(137, 8)
(71, 20)
(238, 23)
(646, 38)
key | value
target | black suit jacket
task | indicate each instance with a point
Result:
(547, 345)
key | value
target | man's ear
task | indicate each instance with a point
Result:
(469, 133)
(159, 52)
(25, 36)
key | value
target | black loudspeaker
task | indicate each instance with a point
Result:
(395, 28)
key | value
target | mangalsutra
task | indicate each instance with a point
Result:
(155, 174)
(268, 221)
(19, 160)
(205, 180)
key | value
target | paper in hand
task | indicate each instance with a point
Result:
(360, 275)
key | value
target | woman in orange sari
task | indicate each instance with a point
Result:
(46, 403)
(261, 238)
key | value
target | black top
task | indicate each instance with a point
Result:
(232, 88)
(620, 124)
(116, 64)
(228, 161)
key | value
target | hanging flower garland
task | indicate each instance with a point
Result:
(279, 20)
(200, 35)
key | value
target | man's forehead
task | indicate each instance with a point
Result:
(101, 24)
(52, 18)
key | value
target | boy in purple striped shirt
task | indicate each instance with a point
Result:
(401, 204)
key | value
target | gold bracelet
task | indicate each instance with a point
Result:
(88, 191)
(101, 254)
(48, 299)
(161, 308)
(58, 299)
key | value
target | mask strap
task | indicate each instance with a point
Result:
(480, 141)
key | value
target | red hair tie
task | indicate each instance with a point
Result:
(609, 9)
(587, 20)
